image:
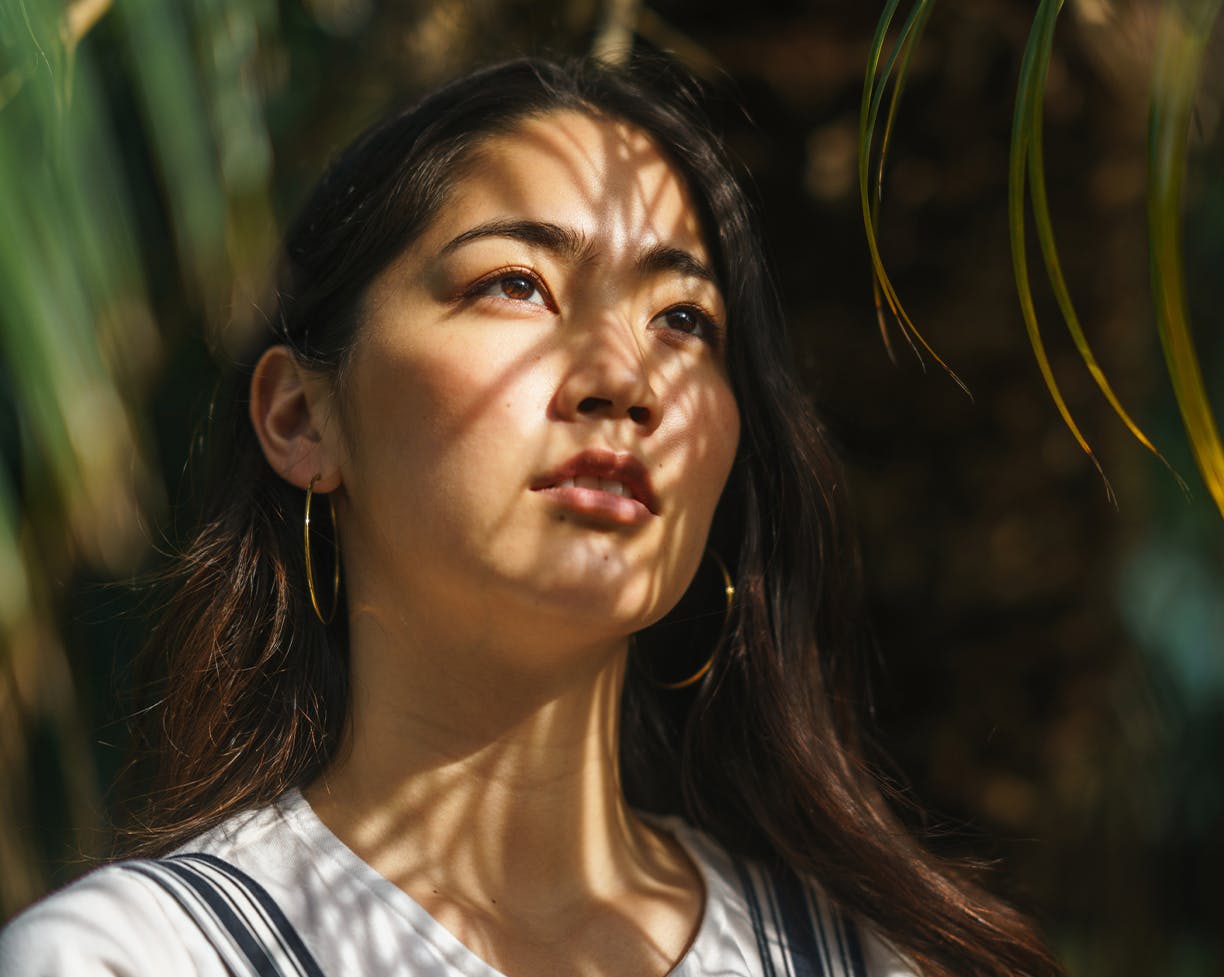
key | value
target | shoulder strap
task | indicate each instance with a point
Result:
(235, 914)
(799, 932)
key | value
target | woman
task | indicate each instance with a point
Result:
(583, 701)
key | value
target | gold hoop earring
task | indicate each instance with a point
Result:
(729, 591)
(314, 600)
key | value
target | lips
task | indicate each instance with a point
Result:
(618, 477)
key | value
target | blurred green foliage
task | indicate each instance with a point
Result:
(1184, 34)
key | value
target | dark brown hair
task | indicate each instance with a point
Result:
(764, 755)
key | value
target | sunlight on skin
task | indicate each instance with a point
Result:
(497, 384)
(489, 614)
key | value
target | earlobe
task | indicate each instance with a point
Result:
(287, 421)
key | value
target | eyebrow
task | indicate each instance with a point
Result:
(573, 246)
(662, 258)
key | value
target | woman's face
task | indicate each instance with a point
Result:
(537, 423)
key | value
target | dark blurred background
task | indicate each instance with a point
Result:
(1051, 674)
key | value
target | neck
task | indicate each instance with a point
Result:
(482, 779)
(484, 782)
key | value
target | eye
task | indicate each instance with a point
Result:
(692, 321)
(515, 286)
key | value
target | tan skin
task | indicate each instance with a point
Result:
(559, 302)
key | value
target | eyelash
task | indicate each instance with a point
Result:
(505, 274)
(708, 328)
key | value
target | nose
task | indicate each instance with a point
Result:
(607, 377)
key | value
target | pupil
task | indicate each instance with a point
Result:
(517, 288)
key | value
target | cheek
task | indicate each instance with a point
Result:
(709, 446)
(727, 423)
(434, 403)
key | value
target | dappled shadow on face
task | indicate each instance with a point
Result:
(489, 620)
(565, 384)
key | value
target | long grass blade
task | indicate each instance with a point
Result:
(875, 86)
(865, 131)
(865, 134)
(1026, 123)
(905, 49)
(1043, 227)
(867, 116)
(1184, 33)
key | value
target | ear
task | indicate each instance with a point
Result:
(291, 411)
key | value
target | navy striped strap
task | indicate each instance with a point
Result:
(235, 914)
(799, 933)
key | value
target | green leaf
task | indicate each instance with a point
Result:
(875, 85)
(1042, 41)
(1184, 32)
(1026, 122)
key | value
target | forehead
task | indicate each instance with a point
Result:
(604, 179)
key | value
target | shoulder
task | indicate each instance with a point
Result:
(796, 927)
(123, 920)
(114, 921)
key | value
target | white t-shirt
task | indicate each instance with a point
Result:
(121, 923)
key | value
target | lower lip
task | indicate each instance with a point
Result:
(599, 506)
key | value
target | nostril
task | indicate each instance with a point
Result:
(605, 407)
(589, 404)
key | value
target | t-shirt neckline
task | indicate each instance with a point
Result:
(303, 820)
